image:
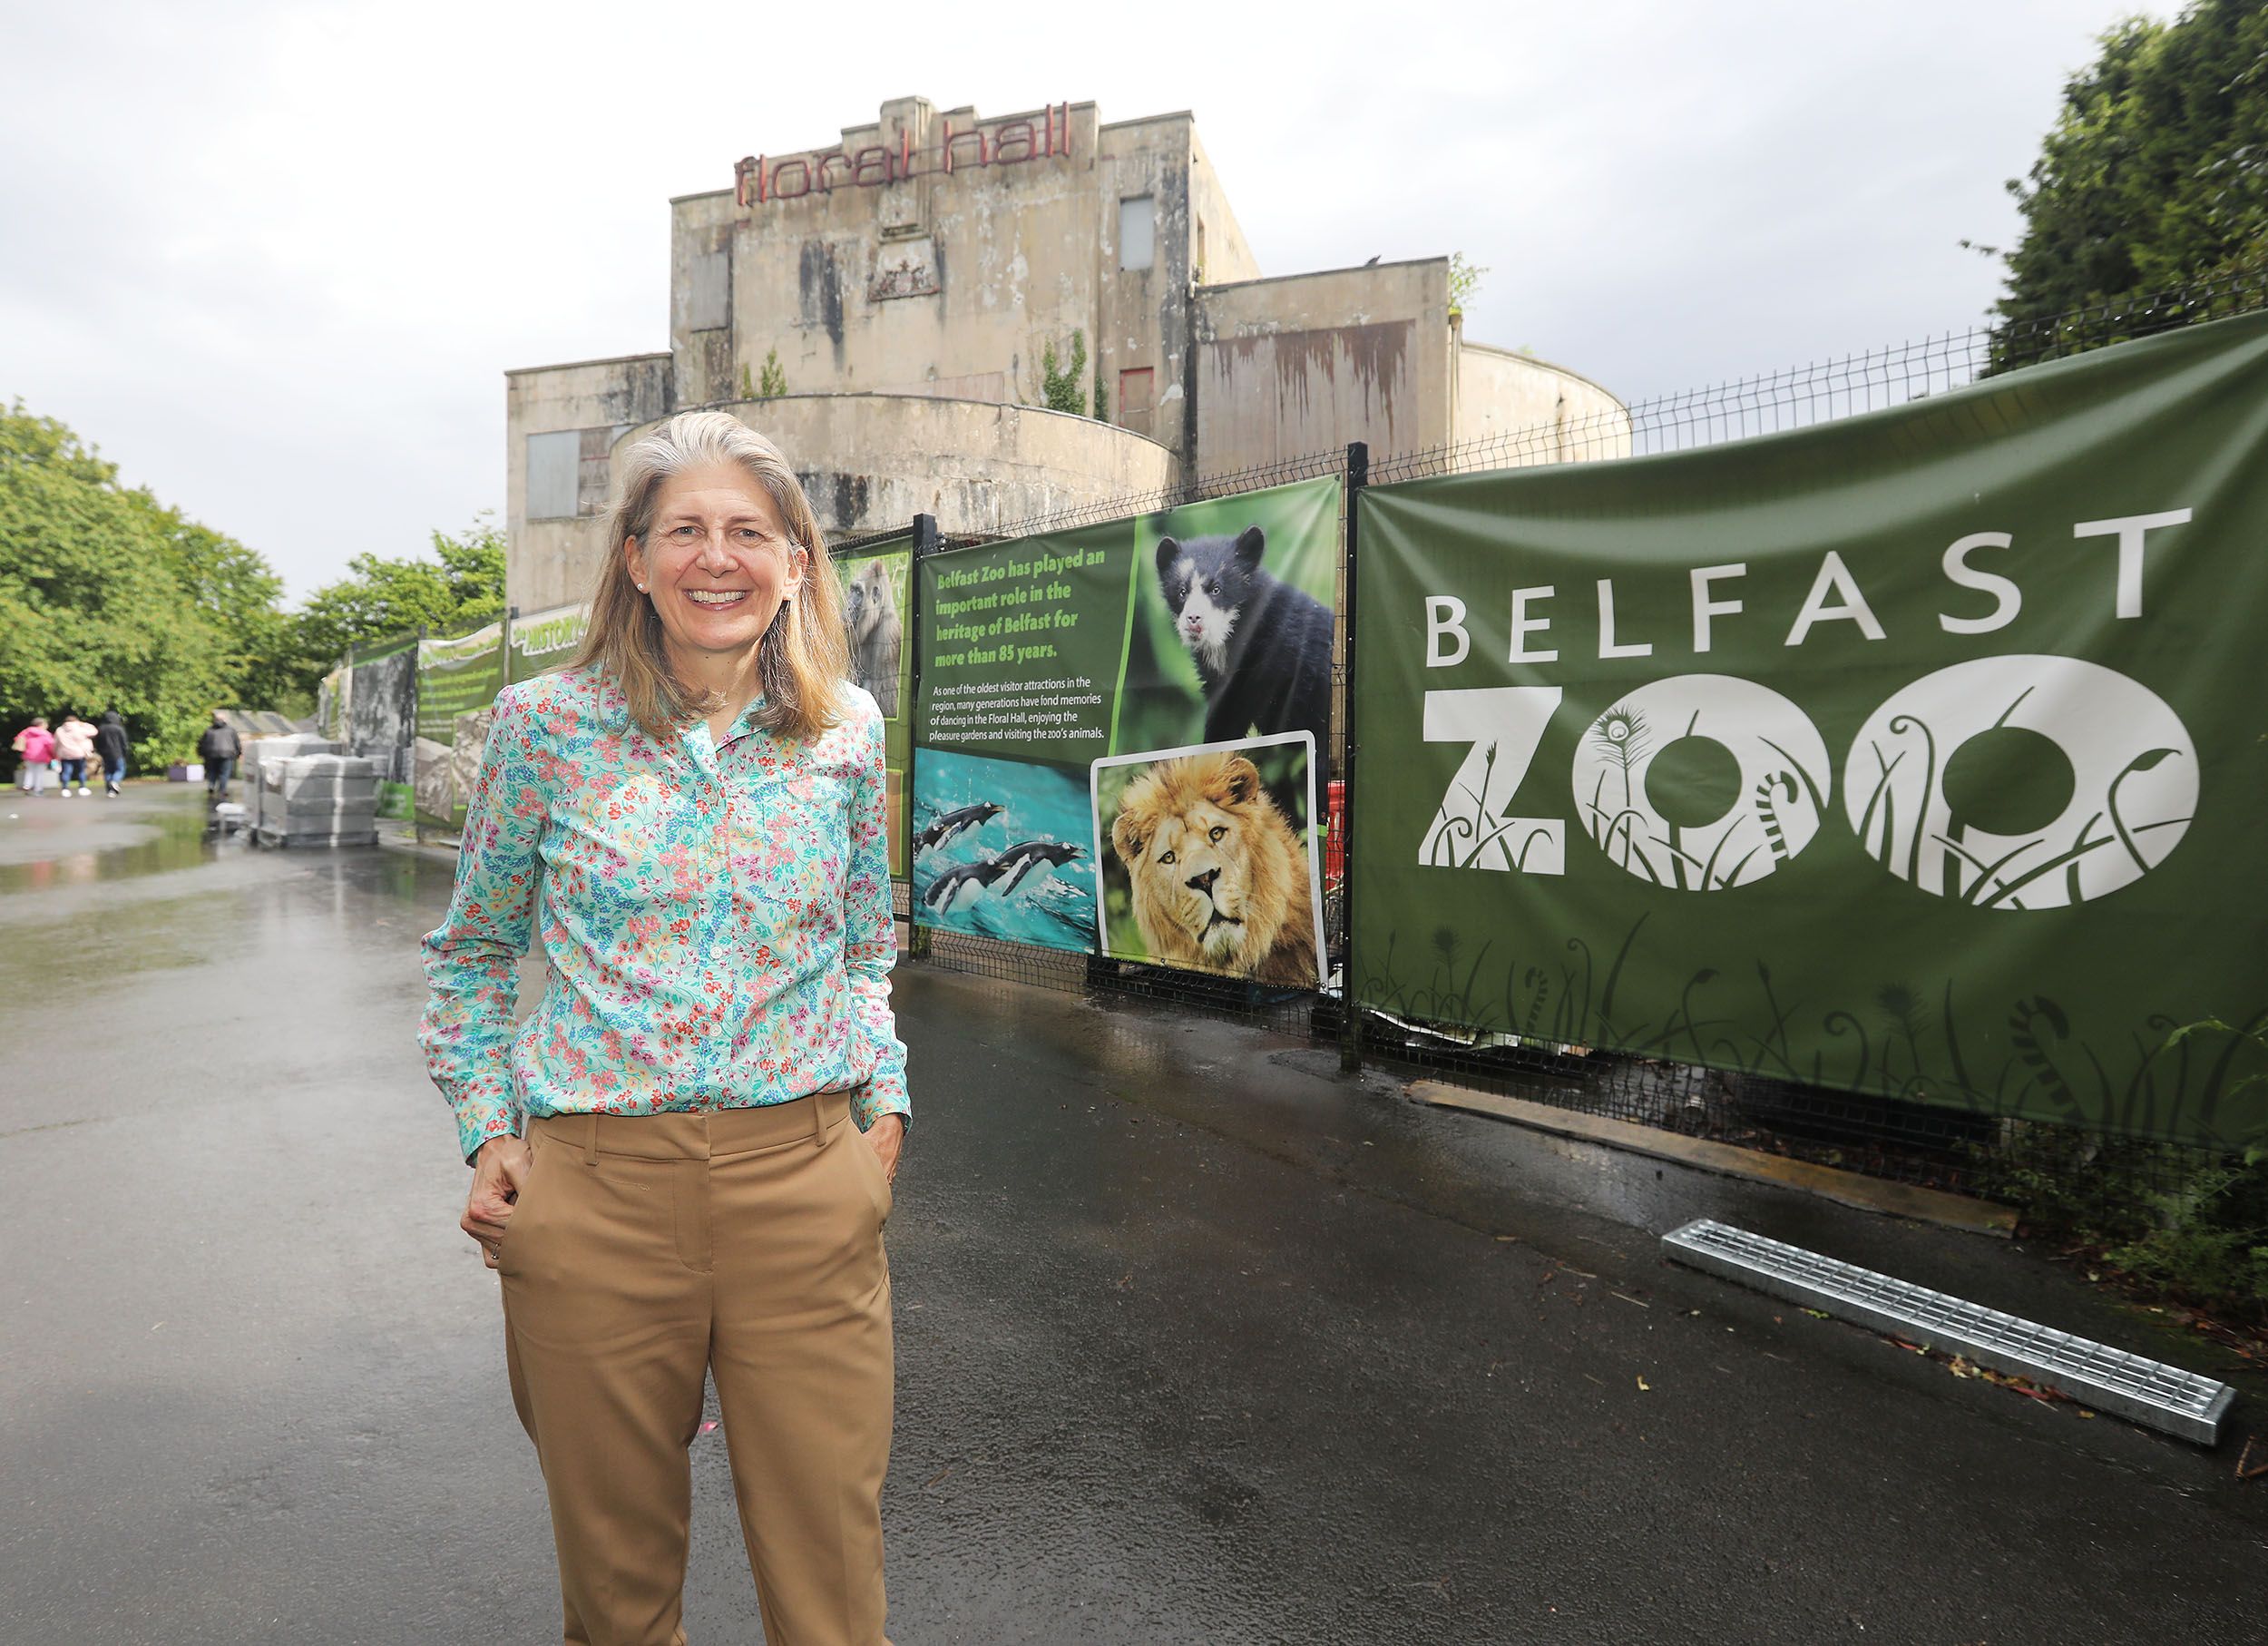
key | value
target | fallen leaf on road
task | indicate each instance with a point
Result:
(1646, 1386)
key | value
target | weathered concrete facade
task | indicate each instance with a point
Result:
(905, 289)
(875, 460)
(1546, 413)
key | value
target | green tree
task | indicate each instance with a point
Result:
(95, 613)
(240, 597)
(1065, 390)
(1464, 280)
(2155, 175)
(461, 585)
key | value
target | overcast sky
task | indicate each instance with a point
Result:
(275, 258)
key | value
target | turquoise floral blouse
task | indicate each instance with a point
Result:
(717, 919)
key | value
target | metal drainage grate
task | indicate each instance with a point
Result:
(2111, 1380)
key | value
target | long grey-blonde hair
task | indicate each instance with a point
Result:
(803, 660)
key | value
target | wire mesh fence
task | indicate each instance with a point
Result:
(1879, 1136)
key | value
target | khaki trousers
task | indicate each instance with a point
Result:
(646, 1251)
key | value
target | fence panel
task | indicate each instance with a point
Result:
(1868, 756)
(1882, 1129)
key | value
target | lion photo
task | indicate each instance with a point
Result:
(1209, 864)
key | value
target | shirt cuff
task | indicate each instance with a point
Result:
(884, 1094)
(477, 1126)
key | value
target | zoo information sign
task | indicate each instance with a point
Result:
(1922, 753)
(1119, 731)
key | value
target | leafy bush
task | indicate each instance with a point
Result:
(1065, 389)
(2192, 1226)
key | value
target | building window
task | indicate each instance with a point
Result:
(708, 291)
(554, 474)
(1136, 392)
(569, 471)
(1137, 231)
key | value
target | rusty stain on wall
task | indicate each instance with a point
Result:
(1276, 394)
(819, 287)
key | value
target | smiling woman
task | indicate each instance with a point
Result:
(712, 539)
(669, 1173)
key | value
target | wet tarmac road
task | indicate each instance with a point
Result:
(1197, 1341)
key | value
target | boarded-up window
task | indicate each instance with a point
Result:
(570, 470)
(708, 290)
(554, 474)
(1137, 231)
(1136, 392)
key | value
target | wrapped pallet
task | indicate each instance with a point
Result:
(261, 753)
(318, 800)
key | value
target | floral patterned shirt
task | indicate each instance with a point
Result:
(717, 919)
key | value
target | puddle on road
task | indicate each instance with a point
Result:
(160, 841)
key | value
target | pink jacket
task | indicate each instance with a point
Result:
(37, 743)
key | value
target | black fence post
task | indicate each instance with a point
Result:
(1349, 1009)
(925, 545)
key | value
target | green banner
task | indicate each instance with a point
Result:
(458, 683)
(1121, 730)
(1915, 754)
(545, 641)
(877, 592)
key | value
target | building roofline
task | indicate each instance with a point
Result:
(1270, 280)
(1145, 119)
(529, 371)
(1528, 360)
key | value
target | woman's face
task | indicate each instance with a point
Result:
(717, 564)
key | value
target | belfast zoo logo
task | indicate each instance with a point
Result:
(2021, 782)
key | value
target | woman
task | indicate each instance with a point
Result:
(75, 742)
(681, 1161)
(110, 747)
(37, 744)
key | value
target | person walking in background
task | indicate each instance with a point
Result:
(37, 744)
(75, 742)
(218, 750)
(109, 747)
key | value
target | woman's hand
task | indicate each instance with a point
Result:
(885, 1137)
(498, 1171)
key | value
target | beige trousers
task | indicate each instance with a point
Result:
(646, 1251)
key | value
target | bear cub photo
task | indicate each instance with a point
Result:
(1262, 647)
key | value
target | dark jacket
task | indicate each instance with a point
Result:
(110, 740)
(219, 743)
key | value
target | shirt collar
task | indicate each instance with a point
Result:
(701, 744)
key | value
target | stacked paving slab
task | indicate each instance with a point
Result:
(306, 793)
